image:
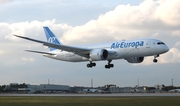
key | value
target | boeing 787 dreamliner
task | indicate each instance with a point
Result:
(133, 51)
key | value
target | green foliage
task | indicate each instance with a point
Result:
(150, 88)
(12, 87)
(2, 88)
(89, 101)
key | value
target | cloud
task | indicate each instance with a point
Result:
(149, 19)
(28, 59)
(18, 62)
(13, 48)
(32, 29)
(5, 1)
(176, 33)
(124, 22)
(157, 19)
(129, 22)
(168, 12)
(177, 45)
(173, 56)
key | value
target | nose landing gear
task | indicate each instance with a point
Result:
(155, 60)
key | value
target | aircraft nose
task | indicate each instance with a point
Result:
(166, 49)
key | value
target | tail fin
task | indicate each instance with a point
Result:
(51, 38)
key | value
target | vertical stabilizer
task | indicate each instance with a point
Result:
(51, 38)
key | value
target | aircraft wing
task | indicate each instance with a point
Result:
(76, 50)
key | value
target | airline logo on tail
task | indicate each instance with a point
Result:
(52, 40)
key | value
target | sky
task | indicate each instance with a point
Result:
(77, 22)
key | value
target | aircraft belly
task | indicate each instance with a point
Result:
(148, 52)
(70, 57)
(76, 58)
(137, 52)
(141, 52)
(66, 57)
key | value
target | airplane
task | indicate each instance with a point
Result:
(174, 90)
(92, 90)
(133, 51)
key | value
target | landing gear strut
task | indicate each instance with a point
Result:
(155, 60)
(109, 65)
(91, 64)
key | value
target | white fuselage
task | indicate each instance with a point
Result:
(117, 50)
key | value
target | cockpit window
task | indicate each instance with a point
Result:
(159, 43)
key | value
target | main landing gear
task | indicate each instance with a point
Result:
(91, 64)
(155, 60)
(109, 65)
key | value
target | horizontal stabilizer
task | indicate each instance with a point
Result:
(40, 52)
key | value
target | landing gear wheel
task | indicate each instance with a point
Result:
(90, 65)
(93, 64)
(109, 65)
(155, 60)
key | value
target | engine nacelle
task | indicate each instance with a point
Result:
(98, 54)
(135, 59)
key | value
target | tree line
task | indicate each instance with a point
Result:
(12, 87)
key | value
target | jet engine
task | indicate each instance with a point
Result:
(135, 59)
(98, 54)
